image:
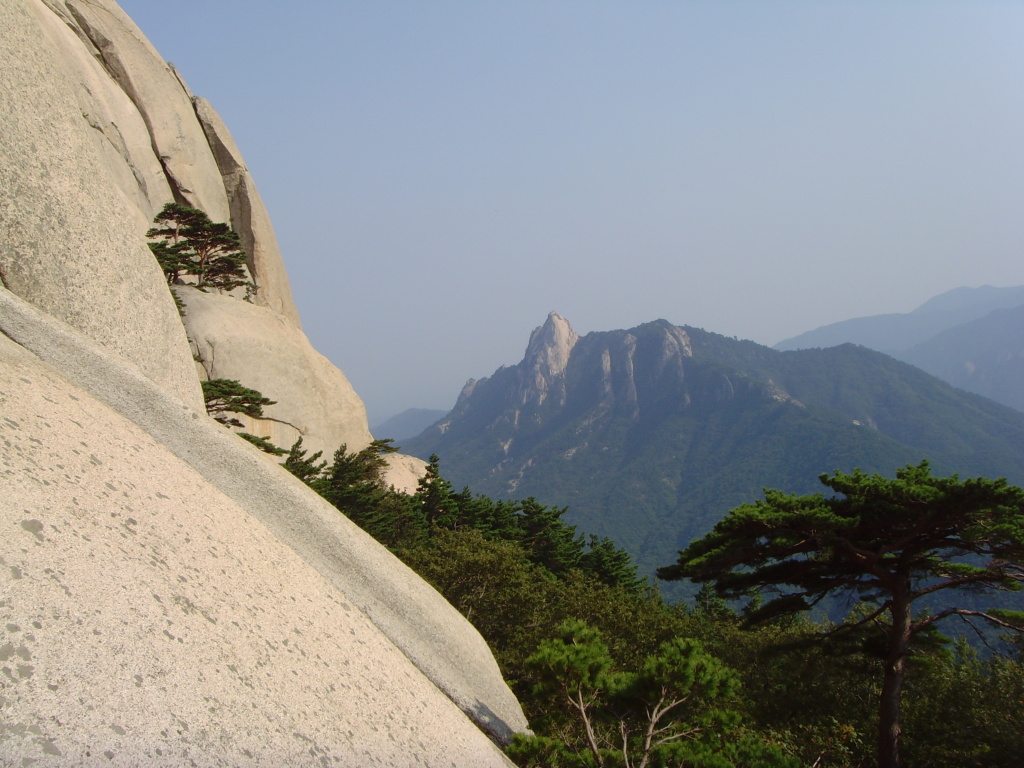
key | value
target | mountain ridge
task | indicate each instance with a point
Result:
(896, 331)
(663, 428)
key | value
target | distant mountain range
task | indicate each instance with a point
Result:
(650, 435)
(972, 338)
(408, 423)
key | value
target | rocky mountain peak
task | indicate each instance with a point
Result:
(547, 356)
(550, 345)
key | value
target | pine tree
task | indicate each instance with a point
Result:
(186, 242)
(547, 539)
(225, 396)
(434, 496)
(305, 468)
(898, 545)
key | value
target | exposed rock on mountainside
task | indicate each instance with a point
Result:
(171, 594)
(657, 431)
(249, 217)
(547, 354)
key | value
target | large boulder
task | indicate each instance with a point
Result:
(233, 339)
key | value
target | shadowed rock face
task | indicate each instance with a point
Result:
(169, 593)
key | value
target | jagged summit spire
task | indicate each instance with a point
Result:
(550, 345)
(547, 356)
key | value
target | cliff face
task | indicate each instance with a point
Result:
(170, 594)
(115, 134)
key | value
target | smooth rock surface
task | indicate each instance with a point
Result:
(165, 106)
(261, 349)
(120, 134)
(69, 241)
(403, 473)
(249, 217)
(148, 619)
(432, 634)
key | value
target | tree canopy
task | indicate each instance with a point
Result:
(673, 709)
(226, 396)
(896, 544)
(186, 242)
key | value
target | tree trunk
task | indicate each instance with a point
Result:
(889, 729)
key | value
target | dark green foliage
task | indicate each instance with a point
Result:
(263, 444)
(671, 709)
(495, 519)
(492, 584)
(893, 545)
(186, 242)
(611, 564)
(548, 541)
(789, 699)
(982, 698)
(434, 497)
(227, 396)
(354, 484)
(540, 531)
(305, 468)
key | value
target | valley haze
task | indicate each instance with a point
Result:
(442, 175)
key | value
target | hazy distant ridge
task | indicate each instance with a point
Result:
(406, 424)
(972, 338)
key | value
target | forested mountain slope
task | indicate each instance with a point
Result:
(972, 338)
(651, 434)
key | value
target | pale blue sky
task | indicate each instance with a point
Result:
(443, 174)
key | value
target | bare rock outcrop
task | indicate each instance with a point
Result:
(257, 346)
(115, 134)
(249, 217)
(403, 472)
(185, 153)
(158, 94)
(171, 594)
(69, 241)
(150, 618)
(547, 355)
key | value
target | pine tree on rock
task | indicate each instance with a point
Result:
(186, 242)
(226, 396)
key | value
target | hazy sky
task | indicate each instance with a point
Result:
(443, 174)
